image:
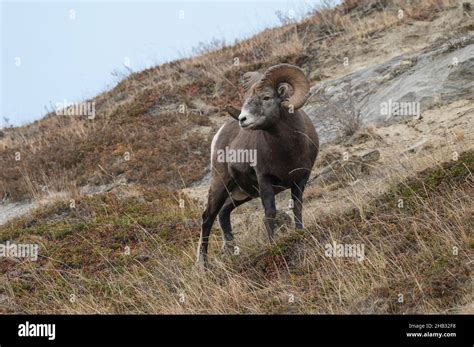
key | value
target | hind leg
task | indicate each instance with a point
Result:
(217, 196)
(224, 221)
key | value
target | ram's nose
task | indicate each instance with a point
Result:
(243, 116)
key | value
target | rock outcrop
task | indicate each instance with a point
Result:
(402, 87)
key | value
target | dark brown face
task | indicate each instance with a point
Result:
(261, 110)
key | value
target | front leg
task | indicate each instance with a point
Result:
(297, 190)
(268, 200)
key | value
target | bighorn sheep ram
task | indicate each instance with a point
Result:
(280, 137)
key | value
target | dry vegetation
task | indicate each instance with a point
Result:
(85, 266)
(422, 250)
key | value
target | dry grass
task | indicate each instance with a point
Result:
(149, 152)
(421, 251)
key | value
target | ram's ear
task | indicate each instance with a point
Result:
(284, 91)
(233, 111)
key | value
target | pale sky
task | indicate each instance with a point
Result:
(53, 51)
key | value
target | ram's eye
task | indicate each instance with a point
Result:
(266, 98)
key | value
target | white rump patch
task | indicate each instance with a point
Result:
(213, 143)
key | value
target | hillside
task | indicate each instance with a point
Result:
(141, 115)
(115, 202)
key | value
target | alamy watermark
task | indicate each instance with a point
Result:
(28, 329)
(394, 108)
(65, 108)
(345, 250)
(19, 250)
(229, 155)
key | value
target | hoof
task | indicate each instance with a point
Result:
(230, 248)
(202, 262)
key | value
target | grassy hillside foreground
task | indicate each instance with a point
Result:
(137, 255)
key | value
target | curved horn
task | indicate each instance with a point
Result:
(293, 75)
